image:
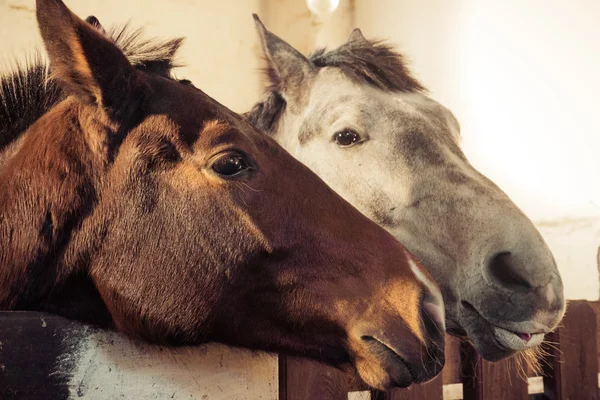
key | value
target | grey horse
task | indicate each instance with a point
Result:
(358, 118)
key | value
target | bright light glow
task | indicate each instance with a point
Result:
(528, 125)
(322, 7)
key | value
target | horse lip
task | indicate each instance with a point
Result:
(511, 340)
(539, 330)
(508, 339)
(383, 346)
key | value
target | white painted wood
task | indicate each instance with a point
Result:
(535, 385)
(362, 395)
(453, 392)
(110, 366)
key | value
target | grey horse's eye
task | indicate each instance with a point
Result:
(346, 138)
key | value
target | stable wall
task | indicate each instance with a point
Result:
(219, 52)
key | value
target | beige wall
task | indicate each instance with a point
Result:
(221, 51)
(523, 78)
(220, 48)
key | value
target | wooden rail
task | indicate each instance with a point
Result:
(47, 357)
(570, 371)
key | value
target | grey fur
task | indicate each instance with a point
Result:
(410, 175)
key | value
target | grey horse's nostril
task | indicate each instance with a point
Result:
(505, 272)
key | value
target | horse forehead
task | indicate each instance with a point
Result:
(338, 100)
(416, 113)
(401, 106)
(333, 91)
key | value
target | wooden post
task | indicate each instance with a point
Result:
(432, 390)
(471, 372)
(502, 381)
(551, 367)
(573, 367)
(490, 380)
(301, 379)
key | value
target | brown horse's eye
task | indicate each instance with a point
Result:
(346, 138)
(231, 164)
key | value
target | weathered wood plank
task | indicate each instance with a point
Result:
(308, 380)
(491, 380)
(362, 395)
(46, 357)
(432, 390)
(451, 371)
(551, 367)
(471, 372)
(596, 307)
(501, 380)
(574, 368)
(30, 347)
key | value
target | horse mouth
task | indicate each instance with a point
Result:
(398, 369)
(517, 341)
(505, 339)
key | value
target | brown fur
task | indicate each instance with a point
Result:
(111, 213)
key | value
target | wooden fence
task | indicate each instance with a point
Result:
(570, 371)
(37, 362)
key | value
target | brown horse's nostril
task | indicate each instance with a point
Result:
(505, 272)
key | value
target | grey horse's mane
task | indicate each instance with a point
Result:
(374, 63)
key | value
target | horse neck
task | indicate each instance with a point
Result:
(48, 186)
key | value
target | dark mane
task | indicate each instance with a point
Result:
(28, 91)
(374, 63)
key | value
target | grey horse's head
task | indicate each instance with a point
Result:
(357, 117)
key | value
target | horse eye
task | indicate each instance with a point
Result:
(230, 165)
(346, 138)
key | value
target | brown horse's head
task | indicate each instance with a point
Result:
(140, 202)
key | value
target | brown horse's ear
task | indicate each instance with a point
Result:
(93, 21)
(83, 59)
(288, 69)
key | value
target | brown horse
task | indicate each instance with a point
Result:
(138, 202)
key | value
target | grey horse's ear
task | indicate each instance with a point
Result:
(356, 36)
(93, 21)
(288, 69)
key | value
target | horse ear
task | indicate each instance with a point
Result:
(356, 36)
(83, 59)
(93, 21)
(288, 69)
